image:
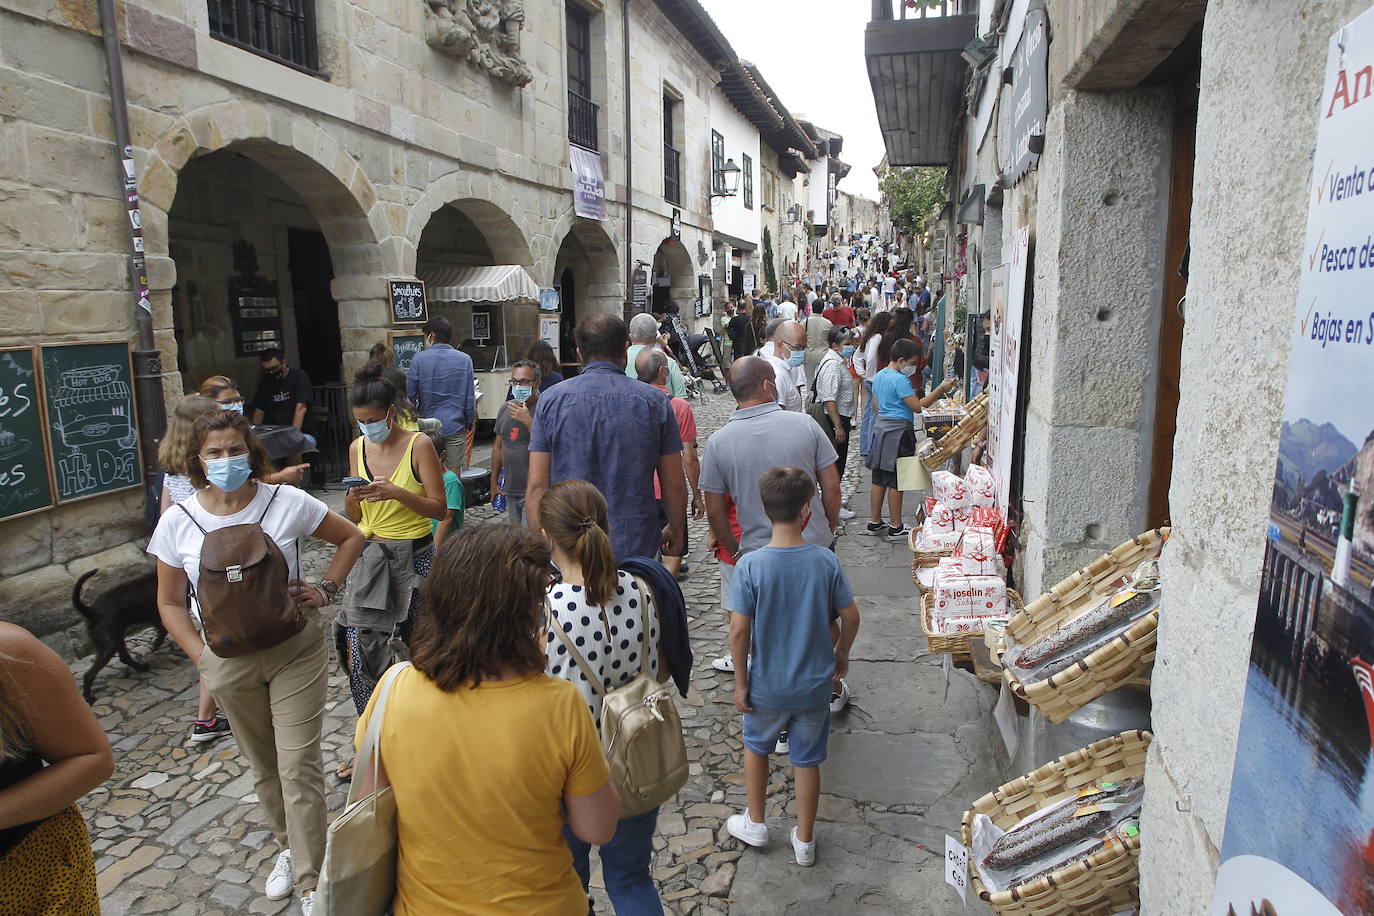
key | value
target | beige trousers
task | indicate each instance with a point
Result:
(275, 701)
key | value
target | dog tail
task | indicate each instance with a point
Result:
(81, 606)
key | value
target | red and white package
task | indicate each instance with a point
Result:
(989, 516)
(950, 489)
(977, 552)
(961, 517)
(958, 595)
(950, 626)
(982, 489)
(941, 518)
(932, 540)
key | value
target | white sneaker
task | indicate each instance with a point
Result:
(839, 701)
(846, 513)
(742, 828)
(782, 747)
(308, 898)
(724, 663)
(282, 879)
(805, 853)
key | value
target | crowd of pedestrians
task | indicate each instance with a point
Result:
(518, 630)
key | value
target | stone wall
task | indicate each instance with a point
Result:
(1262, 70)
(395, 133)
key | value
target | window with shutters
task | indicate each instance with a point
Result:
(747, 181)
(280, 30)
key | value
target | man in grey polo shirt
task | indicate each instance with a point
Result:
(761, 435)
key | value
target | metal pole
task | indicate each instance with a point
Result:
(152, 412)
(629, 167)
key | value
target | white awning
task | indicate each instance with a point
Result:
(499, 283)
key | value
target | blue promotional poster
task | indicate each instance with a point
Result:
(1300, 825)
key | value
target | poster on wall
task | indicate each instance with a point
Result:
(589, 185)
(1004, 361)
(1300, 824)
(549, 327)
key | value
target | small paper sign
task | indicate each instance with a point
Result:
(1005, 714)
(956, 867)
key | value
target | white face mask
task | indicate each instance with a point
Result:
(908, 371)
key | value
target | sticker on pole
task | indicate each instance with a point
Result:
(956, 867)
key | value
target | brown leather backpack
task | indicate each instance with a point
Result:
(244, 603)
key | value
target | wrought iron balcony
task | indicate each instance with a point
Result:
(917, 73)
(282, 30)
(672, 174)
(582, 121)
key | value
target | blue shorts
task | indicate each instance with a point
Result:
(807, 733)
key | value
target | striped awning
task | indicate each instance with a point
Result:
(498, 283)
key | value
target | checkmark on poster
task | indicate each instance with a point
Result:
(1321, 188)
(1303, 326)
(1312, 258)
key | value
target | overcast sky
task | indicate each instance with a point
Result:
(812, 54)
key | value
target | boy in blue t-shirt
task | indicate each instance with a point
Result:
(783, 598)
(454, 497)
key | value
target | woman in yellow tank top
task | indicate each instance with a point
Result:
(407, 490)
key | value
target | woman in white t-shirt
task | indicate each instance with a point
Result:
(274, 696)
(602, 610)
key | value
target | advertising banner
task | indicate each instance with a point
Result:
(1300, 824)
(1004, 363)
(589, 186)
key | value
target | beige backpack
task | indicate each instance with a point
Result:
(641, 733)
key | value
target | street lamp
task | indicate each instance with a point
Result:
(726, 180)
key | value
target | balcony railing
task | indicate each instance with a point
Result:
(282, 30)
(672, 174)
(582, 121)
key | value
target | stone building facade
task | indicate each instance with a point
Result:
(397, 138)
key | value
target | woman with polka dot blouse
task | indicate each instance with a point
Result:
(601, 609)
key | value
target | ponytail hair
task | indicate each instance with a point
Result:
(375, 385)
(573, 514)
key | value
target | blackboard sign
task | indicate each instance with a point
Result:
(639, 289)
(404, 347)
(88, 394)
(24, 483)
(408, 302)
(256, 316)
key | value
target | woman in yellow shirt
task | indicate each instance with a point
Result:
(482, 748)
(394, 512)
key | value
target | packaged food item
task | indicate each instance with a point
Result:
(978, 552)
(940, 517)
(950, 626)
(950, 489)
(982, 488)
(958, 595)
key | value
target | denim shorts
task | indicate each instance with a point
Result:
(807, 733)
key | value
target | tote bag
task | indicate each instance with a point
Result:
(359, 872)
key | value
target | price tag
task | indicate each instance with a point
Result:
(1005, 714)
(956, 867)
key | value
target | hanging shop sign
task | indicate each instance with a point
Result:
(676, 226)
(589, 185)
(1300, 823)
(1029, 93)
(408, 301)
(550, 300)
(1004, 361)
(748, 282)
(639, 289)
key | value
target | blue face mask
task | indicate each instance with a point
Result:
(846, 352)
(796, 358)
(228, 474)
(234, 406)
(521, 393)
(376, 432)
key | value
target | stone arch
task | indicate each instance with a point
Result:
(327, 178)
(488, 203)
(673, 259)
(587, 270)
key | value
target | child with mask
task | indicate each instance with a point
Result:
(894, 432)
(394, 511)
(274, 694)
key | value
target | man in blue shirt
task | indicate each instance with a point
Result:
(614, 432)
(440, 384)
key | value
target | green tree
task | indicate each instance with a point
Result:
(913, 195)
(770, 272)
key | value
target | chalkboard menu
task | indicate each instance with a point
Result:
(408, 302)
(88, 395)
(404, 347)
(639, 289)
(24, 482)
(256, 316)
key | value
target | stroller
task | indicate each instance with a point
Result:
(709, 360)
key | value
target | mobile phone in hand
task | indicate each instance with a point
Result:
(351, 482)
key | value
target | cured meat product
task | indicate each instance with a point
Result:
(1117, 834)
(1040, 836)
(1084, 626)
(1074, 658)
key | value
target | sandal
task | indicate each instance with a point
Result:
(345, 772)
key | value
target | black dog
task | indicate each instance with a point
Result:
(131, 606)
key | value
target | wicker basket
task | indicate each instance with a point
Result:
(960, 434)
(1105, 883)
(1111, 666)
(923, 558)
(957, 644)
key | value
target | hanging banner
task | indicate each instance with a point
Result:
(1004, 361)
(589, 185)
(1300, 823)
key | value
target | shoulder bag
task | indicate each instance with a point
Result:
(359, 873)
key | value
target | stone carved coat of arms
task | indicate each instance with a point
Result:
(486, 33)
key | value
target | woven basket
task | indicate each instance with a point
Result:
(1105, 883)
(959, 643)
(1111, 666)
(923, 558)
(960, 434)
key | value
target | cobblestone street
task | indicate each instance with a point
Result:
(177, 828)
